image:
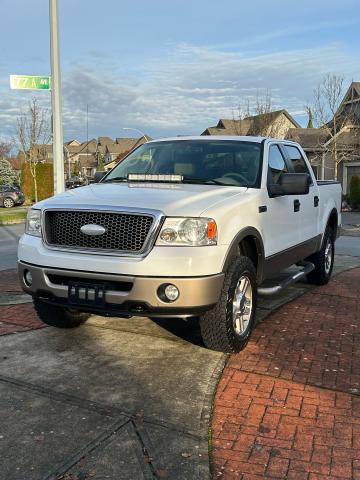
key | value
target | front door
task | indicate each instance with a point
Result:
(281, 222)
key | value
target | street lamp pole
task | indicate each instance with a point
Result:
(57, 129)
(137, 130)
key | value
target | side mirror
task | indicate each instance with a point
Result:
(98, 176)
(290, 184)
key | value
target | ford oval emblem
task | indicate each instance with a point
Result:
(93, 230)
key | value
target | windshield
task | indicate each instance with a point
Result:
(196, 161)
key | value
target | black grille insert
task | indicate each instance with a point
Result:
(123, 231)
(116, 285)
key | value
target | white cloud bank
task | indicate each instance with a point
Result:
(184, 92)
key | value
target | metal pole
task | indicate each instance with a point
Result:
(58, 154)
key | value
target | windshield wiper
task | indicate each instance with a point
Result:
(116, 179)
(199, 180)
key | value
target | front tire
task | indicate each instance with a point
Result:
(323, 260)
(227, 327)
(59, 317)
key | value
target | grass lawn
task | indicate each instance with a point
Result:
(12, 215)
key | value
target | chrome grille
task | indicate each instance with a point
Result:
(126, 232)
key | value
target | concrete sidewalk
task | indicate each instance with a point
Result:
(117, 399)
(288, 405)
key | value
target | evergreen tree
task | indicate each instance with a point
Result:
(8, 175)
(354, 196)
(101, 163)
(310, 122)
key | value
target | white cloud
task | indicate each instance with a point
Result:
(186, 91)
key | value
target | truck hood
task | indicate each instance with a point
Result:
(171, 199)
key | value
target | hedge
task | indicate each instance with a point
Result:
(45, 181)
(354, 195)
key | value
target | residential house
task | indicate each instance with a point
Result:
(118, 149)
(80, 158)
(17, 162)
(334, 152)
(273, 124)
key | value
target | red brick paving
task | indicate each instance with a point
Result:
(288, 406)
(16, 318)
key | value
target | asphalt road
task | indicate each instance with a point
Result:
(9, 235)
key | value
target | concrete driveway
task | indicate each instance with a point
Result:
(117, 399)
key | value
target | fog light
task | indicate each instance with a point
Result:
(28, 278)
(171, 293)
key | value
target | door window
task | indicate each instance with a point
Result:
(297, 160)
(277, 165)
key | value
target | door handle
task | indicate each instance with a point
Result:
(316, 201)
(297, 205)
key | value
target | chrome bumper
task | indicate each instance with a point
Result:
(125, 295)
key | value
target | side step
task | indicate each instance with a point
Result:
(268, 291)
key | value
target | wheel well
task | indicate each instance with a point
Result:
(333, 222)
(248, 247)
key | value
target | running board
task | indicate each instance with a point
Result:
(268, 291)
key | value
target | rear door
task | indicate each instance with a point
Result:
(308, 205)
(280, 223)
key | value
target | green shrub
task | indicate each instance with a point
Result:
(45, 181)
(354, 195)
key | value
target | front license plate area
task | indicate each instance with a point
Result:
(86, 294)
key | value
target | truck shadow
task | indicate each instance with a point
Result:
(186, 329)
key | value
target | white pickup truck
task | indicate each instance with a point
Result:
(182, 227)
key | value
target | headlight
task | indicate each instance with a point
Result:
(188, 232)
(33, 223)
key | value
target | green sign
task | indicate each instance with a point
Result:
(30, 82)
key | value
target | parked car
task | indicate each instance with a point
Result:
(75, 182)
(10, 196)
(183, 227)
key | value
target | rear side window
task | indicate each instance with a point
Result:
(277, 165)
(297, 160)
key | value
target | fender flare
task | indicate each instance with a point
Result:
(233, 250)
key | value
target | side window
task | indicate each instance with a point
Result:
(277, 164)
(298, 163)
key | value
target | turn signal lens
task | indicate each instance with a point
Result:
(211, 230)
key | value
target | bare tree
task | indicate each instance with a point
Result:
(258, 112)
(333, 120)
(5, 148)
(33, 132)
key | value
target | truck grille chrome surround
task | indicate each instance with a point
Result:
(127, 232)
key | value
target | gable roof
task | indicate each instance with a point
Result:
(122, 145)
(247, 126)
(350, 104)
(72, 143)
(309, 138)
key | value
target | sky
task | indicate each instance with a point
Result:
(174, 67)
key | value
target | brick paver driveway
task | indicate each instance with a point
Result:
(288, 406)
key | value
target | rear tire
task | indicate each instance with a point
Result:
(323, 260)
(227, 327)
(59, 317)
(8, 202)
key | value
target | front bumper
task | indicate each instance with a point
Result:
(124, 295)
